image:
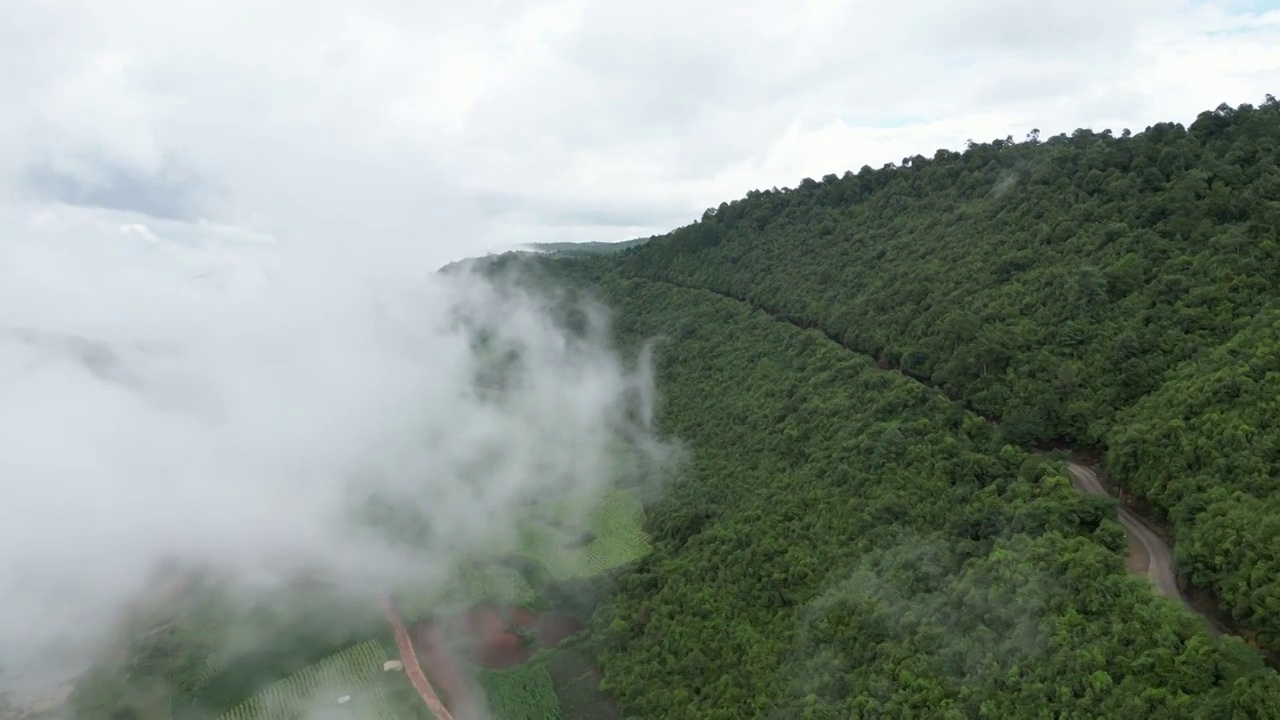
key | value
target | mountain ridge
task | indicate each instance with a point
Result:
(1053, 284)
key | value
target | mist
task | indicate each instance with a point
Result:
(217, 399)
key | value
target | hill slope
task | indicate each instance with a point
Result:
(850, 543)
(1115, 292)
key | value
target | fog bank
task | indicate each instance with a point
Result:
(220, 399)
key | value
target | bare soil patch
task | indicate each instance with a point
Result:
(488, 636)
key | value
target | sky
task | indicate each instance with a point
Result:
(450, 129)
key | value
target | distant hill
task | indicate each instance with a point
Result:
(586, 248)
(557, 249)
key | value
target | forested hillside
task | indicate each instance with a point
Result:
(1116, 292)
(847, 542)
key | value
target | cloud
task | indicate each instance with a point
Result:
(324, 123)
(168, 194)
(226, 400)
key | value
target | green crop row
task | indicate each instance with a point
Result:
(489, 583)
(522, 693)
(620, 509)
(351, 672)
(608, 552)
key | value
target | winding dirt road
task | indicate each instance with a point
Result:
(411, 666)
(1160, 567)
(1161, 570)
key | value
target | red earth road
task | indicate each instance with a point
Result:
(411, 666)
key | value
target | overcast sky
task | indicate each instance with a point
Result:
(453, 131)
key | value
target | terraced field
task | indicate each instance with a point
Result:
(616, 527)
(350, 674)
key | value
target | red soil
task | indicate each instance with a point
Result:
(484, 636)
(439, 665)
(553, 627)
(495, 645)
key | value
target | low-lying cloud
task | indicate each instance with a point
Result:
(234, 404)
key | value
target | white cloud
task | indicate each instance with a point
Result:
(391, 123)
(220, 399)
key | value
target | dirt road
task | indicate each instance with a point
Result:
(410, 660)
(1160, 567)
(1160, 570)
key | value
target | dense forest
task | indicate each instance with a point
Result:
(1113, 291)
(848, 542)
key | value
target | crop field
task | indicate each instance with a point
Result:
(541, 541)
(615, 522)
(489, 583)
(402, 700)
(619, 539)
(352, 672)
(522, 693)
(605, 553)
(211, 668)
(620, 508)
(614, 529)
(468, 585)
(370, 702)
